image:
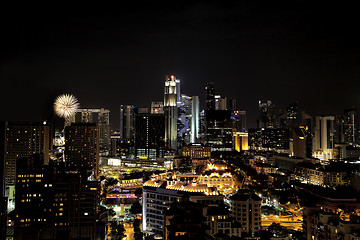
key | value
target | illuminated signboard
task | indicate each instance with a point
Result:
(121, 195)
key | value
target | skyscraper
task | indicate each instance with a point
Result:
(82, 146)
(195, 114)
(127, 120)
(170, 109)
(210, 96)
(101, 117)
(149, 135)
(324, 138)
(24, 140)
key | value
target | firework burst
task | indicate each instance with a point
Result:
(66, 105)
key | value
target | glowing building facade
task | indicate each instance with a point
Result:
(159, 193)
(217, 175)
(171, 95)
(324, 138)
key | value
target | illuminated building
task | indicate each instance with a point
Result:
(51, 202)
(149, 135)
(184, 120)
(219, 130)
(157, 107)
(102, 118)
(170, 109)
(301, 144)
(127, 122)
(320, 224)
(121, 146)
(322, 175)
(195, 119)
(217, 175)
(24, 140)
(158, 194)
(241, 141)
(277, 139)
(220, 103)
(239, 120)
(82, 146)
(324, 138)
(246, 209)
(196, 151)
(210, 96)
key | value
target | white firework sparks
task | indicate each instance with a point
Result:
(66, 105)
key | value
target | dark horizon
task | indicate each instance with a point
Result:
(284, 51)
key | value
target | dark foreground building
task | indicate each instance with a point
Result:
(52, 203)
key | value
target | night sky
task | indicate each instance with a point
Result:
(285, 51)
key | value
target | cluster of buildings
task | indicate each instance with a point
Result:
(172, 207)
(177, 122)
(50, 183)
(298, 134)
(50, 193)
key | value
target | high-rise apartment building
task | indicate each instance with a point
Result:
(246, 209)
(24, 140)
(171, 95)
(102, 118)
(82, 146)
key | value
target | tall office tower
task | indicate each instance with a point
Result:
(202, 123)
(52, 203)
(324, 138)
(246, 209)
(157, 107)
(292, 112)
(210, 96)
(239, 121)
(267, 115)
(351, 127)
(23, 140)
(219, 130)
(220, 103)
(232, 104)
(149, 135)
(127, 121)
(102, 118)
(170, 109)
(301, 144)
(184, 120)
(195, 119)
(339, 129)
(82, 147)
